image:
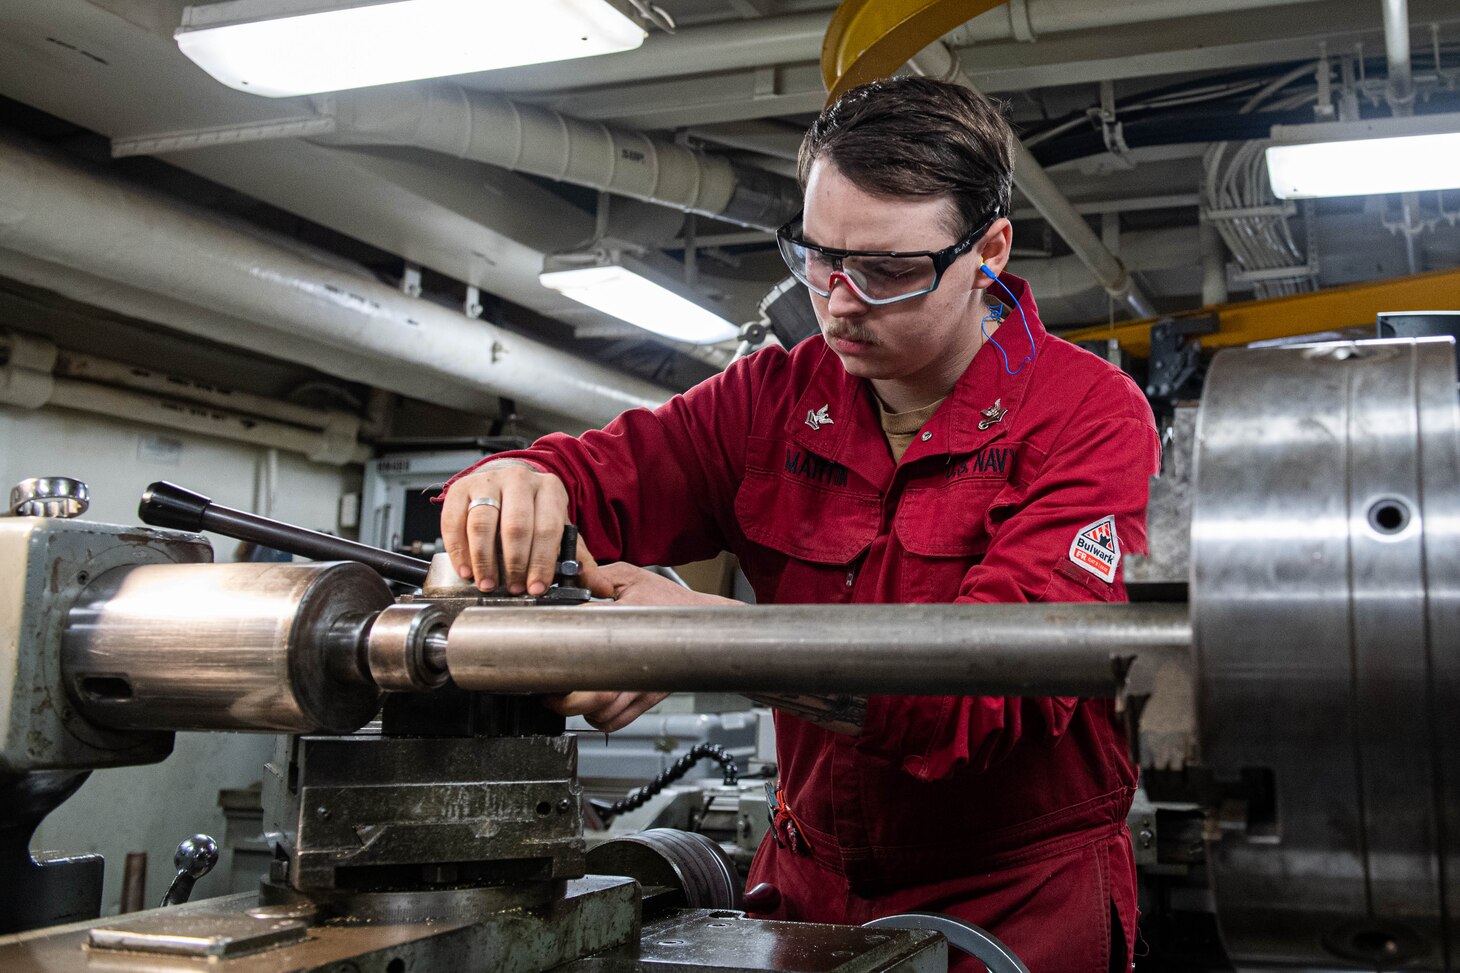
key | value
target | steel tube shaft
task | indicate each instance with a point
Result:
(1002, 650)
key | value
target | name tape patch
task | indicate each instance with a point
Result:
(1097, 549)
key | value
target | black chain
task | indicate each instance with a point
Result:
(675, 771)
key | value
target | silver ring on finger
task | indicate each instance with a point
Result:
(483, 502)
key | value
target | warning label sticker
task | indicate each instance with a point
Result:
(1097, 549)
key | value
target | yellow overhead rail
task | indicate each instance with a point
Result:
(1353, 305)
(871, 39)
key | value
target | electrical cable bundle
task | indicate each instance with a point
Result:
(668, 776)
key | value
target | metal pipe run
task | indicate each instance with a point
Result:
(930, 650)
(486, 127)
(36, 374)
(104, 234)
(1399, 91)
(761, 42)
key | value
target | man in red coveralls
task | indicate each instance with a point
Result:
(934, 444)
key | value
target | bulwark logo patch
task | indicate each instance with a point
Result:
(1097, 549)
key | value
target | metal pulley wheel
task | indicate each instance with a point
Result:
(685, 862)
(965, 936)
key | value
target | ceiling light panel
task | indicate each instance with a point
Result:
(1385, 155)
(639, 296)
(279, 48)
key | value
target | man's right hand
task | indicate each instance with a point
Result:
(528, 515)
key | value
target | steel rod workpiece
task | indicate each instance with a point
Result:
(1029, 650)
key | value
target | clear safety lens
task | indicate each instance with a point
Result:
(875, 279)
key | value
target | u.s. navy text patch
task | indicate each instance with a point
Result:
(1097, 549)
(991, 461)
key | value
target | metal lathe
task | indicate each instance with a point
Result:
(1300, 699)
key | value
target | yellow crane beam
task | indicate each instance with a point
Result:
(871, 39)
(1352, 305)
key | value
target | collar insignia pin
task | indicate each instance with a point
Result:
(993, 414)
(818, 418)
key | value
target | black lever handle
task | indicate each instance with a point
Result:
(169, 505)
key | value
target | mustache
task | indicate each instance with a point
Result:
(851, 332)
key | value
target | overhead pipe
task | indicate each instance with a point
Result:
(1038, 18)
(449, 119)
(28, 380)
(1399, 92)
(778, 140)
(793, 38)
(1127, 204)
(488, 128)
(318, 445)
(55, 213)
(471, 123)
(384, 375)
(1149, 250)
(1213, 266)
(690, 50)
(176, 314)
(101, 371)
(937, 61)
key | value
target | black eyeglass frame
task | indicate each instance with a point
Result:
(942, 259)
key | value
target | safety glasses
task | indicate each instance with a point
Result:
(875, 276)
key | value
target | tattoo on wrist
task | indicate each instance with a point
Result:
(839, 714)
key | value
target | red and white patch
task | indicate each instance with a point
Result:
(1097, 549)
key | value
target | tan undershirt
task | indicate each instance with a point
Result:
(901, 427)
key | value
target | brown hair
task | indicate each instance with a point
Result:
(918, 137)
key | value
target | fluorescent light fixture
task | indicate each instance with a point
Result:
(1383, 155)
(632, 291)
(279, 48)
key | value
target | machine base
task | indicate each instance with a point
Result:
(595, 925)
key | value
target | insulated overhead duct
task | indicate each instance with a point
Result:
(178, 315)
(1028, 20)
(55, 213)
(33, 376)
(1399, 91)
(689, 50)
(1149, 250)
(488, 128)
(767, 41)
(1399, 95)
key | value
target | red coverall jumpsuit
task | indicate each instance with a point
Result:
(1007, 812)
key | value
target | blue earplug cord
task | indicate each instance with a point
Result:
(989, 338)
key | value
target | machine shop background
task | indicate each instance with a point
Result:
(307, 309)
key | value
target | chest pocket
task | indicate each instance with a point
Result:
(944, 531)
(804, 519)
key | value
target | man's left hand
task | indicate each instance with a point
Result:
(628, 585)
